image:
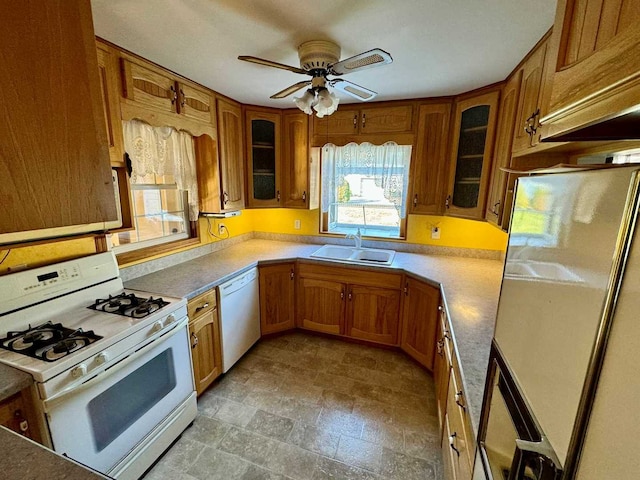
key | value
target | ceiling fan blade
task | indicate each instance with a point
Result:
(269, 63)
(372, 58)
(350, 88)
(289, 90)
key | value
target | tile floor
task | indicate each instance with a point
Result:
(309, 408)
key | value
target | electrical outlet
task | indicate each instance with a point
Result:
(296, 224)
(221, 229)
(435, 233)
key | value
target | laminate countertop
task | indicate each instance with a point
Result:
(12, 381)
(471, 288)
(25, 459)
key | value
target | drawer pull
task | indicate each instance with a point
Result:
(440, 349)
(458, 397)
(202, 307)
(452, 441)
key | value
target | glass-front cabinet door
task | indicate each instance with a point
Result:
(473, 139)
(263, 158)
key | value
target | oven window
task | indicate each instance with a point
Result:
(118, 407)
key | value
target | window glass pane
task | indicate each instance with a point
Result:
(111, 414)
(149, 227)
(147, 202)
(365, 186)
(172, 200)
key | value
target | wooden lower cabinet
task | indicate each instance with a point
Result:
(442, 369)
(277, 298)
(204, 333)
(357, 303)
(17, 414)
(419, 320)
(321, 305)
(373, 314)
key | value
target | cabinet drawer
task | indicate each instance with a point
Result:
(202, 304)
(351, 276)
(460, 439)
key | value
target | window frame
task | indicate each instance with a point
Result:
(402, 228)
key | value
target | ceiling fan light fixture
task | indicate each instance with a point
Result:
(306, 101)
(327, 103)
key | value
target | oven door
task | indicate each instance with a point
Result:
(100, 421)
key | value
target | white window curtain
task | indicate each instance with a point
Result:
(388, 164)
(163, 151)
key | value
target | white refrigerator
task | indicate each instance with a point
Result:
(568, 321)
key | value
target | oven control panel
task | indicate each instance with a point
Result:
(50, 278)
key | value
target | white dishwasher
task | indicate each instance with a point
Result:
(239, 316)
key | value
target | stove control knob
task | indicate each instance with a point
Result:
(170, 319)
(157, 326)
(102, 358)
(79, 371)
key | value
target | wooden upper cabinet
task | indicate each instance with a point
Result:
(419, 321)
(529, 106)
(298, 169)
(149, 86)
(263, 158)
(162, 98)
(231, 155)
(373, 314)
(472, 148)
(196, 103)
(502, 156)
(390, 119)
(277, 297)
(429, 163)
(109, 82)
(596, 65)
(54, 159)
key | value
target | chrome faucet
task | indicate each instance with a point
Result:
(356, 238)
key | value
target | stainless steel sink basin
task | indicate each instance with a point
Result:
(362, 256)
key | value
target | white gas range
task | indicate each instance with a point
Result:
(114, 383)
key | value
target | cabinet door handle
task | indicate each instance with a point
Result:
(278, 195)
(452, 441)
(458, 398)
(225, 196)
(174, 94)
(350, 296)
(496, 209)
(415, 200)
(364, 120)
(183, 98)
(447, 201)
(341, 295)
(304, 196)
(406, 289)
(202, 307)
(291, 274)
(194, 340)
(440, 347)
(355, 121)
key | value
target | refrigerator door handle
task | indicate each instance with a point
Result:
(543, 447)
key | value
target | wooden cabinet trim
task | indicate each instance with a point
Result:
(371, 277)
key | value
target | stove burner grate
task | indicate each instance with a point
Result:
(128, 305)
(48, 342)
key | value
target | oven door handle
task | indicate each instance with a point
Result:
(543, 448)
(49, 402)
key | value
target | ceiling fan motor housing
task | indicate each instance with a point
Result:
(318, 54)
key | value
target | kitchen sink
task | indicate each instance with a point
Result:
(363, 256)
(544, 271)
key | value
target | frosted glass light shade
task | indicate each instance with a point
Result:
(305, 102)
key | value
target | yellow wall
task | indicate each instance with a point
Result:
(454, 232)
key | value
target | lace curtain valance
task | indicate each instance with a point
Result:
(387, 165)
(163, 151)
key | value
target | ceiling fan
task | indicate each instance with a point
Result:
(318, 59)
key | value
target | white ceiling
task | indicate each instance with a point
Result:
(439, 47)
